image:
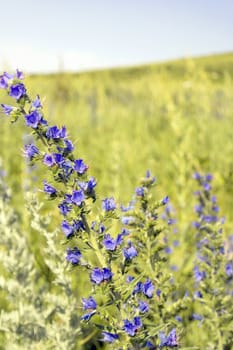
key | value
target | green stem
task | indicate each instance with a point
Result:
(85, 340)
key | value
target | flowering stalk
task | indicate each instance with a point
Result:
(212, 273)
(130, 305)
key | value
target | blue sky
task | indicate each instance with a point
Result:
(49, 35)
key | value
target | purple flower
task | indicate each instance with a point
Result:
(77, 197)
(64, 208)
(215, 208)
(143, 306)
(229, 269)
(111, 243)
(149, 345)
(17, 91)
(8, 76)
(196, 224)
(119, 238)
(33, 119)
(4, 79)
(68, 198)
(199, 209)
(169, 209)
(131, 327)
(168, 341)
(138, 288)
(43, 121)
(197, 176)
(88, 316)
(36, 103)
(213, 199)
(199, 275)
(67, 229)
(207, 187)
(19, 74)
(148, 176)
(88, 186)
(129, 279)
(223, 220)
(148, 288)
(107, 273)
(222, 250)
(130, 252)
(139, 191)
(65, 166)
(124, 232)
(127, 220)
(78, 225)
(101, 228)
(54, 133)
(108, 204)
(73, 255)
(98, 276)
(49, 189)
(7, 109)
(165, 200)
(58, 158)
(209, 177)
(89, 303)
(91, 183)
(176, 243)
(197, 294)
(168, 250)
(178, 318)
(171, 221)
(69, 146)
(80, 167)
(210, 218)
(163, 339)
(30, 151)
(129, 207)
(137, 322)
(48, 160)
(197, 317)
(3, 82)
(109, 337)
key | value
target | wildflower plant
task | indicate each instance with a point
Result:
(131, 300)
(211, 272)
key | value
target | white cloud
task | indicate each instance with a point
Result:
(32, 60)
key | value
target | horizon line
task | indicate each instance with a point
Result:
(128, 66)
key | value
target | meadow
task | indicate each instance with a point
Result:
(173, 118)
